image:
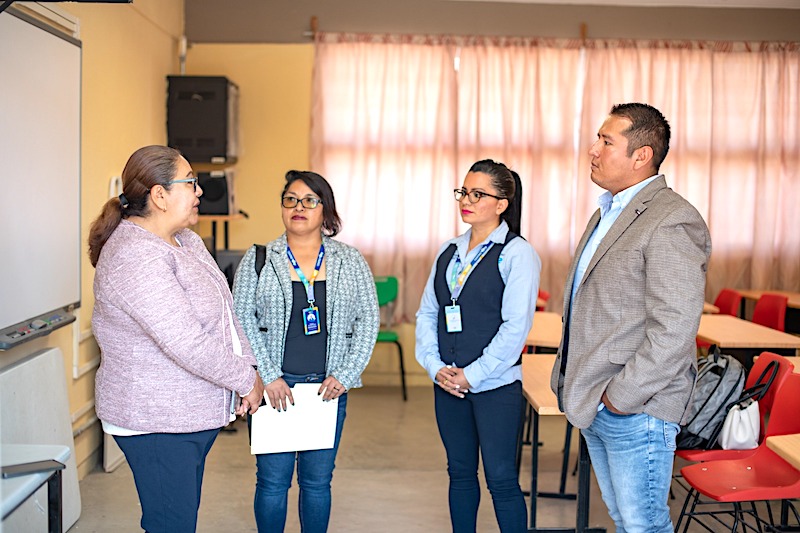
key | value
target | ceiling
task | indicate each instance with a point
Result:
(760, 4)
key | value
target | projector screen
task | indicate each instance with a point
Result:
(40, 127)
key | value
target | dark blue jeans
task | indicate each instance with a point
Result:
(491, 422)
(314, 473)
(168, 472)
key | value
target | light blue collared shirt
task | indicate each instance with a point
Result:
(519, 267)
(610, 208)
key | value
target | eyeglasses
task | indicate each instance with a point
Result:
(474, 196)
(308, 202)
(193, 181)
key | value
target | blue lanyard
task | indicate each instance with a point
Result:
(308, 284)
(459, 277)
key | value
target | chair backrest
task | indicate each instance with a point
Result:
(765, 404)
(729, 302)
(386, 286)
(544, 295)
(770, 311)
(783, 419)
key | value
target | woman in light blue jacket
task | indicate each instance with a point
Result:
(310, 311)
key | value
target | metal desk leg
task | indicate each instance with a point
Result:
(582, 515)
(54, 518)
(534, 469)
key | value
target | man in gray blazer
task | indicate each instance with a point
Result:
(632, 303)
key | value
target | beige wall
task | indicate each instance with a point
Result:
(127, 52)
(275, 107)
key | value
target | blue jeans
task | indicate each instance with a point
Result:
(314, 473)
(489, 422)
(168, 472)
(632, 457)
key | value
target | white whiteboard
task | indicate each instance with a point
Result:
(40, 121)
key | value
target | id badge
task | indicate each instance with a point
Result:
(452, 318)
(311, 320)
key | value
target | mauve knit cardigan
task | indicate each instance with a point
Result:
(161, 319)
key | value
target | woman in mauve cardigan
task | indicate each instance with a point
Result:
(305, 271)
(174, 359)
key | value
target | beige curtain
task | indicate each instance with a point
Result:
(398, 120)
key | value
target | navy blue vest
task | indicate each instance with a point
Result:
(481, 302)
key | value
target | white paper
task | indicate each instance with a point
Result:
(309, 424)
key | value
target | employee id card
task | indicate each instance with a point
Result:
(452, 318)
(311, 320)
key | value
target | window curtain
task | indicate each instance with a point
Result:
(398, 120)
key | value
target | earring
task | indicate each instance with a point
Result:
(164, 209)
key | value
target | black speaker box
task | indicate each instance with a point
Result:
(202, 118)
(218, 193)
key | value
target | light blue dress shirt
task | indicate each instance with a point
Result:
(610, 208)
(519, 267)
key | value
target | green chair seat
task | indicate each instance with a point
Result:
(388, 336)
(387, 287)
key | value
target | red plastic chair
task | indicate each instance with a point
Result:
(785, 367)
(762, 476)
(770, 311)
(544, 295)
(729, 302)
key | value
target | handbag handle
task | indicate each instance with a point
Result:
(759, 390)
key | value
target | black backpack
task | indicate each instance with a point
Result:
(720, 381)
(261, 258)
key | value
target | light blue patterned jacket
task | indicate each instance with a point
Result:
(263, 305)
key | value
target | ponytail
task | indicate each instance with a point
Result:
(513, 213)
(102, 228)
(146, 168)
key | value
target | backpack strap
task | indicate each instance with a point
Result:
(261, 258)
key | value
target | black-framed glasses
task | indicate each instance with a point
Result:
(193, 181)
(309, 202)
(474, 196)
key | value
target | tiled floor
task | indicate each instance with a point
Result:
(390, 477)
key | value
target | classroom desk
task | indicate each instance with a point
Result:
(16, 490)
(710, 309)
(752, 294)
(792, 321)
(536, 370)
(545, 332)
(787, 446)
(744, 339)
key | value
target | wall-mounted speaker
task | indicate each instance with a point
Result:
(218, 193)
(203, 118)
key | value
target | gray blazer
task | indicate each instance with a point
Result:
(352, 309)
(636, 311)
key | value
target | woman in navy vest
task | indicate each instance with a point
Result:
(475, 314)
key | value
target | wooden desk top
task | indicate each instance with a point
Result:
(787, 446)
(710, 308)
(546, 330)
(536, 369)
(794, 297)
(730, 332)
